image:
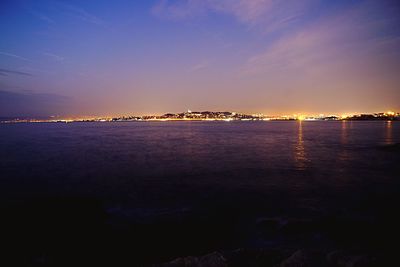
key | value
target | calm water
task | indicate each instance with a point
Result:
(229, 173)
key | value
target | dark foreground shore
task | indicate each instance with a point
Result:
(76, 231)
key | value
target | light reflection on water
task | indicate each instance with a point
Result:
(300, 153)
(389, 133)
(344, 155)
(343, 135)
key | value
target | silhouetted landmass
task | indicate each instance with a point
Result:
(374, 117)
(218, 116)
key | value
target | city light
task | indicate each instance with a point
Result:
(220, 116)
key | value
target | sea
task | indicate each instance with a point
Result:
(148, 192)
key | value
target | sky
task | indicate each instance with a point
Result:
(121, 57)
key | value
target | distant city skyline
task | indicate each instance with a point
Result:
(115, 58)
(209, 115)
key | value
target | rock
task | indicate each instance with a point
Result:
(254, 257)
(183, 262)
(360, 261)
(302, 258)
(214, 259)
(298, 259)
(337, 258)
(343, 259)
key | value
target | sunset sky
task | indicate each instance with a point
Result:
(156, 56)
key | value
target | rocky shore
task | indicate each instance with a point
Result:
(57, 232)
(275, 258)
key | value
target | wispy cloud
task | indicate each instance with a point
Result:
(178, 10)
(269, 15)
(41, 16)
(250, 11)
(6, 72)
(35, 70)
(199, 66)
(83, 15)
(54, 57)
(14, 56)
(344, 41)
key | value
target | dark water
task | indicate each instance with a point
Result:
(204, 185)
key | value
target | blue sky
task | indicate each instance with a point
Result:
(134, 57)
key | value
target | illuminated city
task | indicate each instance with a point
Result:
(223, 116)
